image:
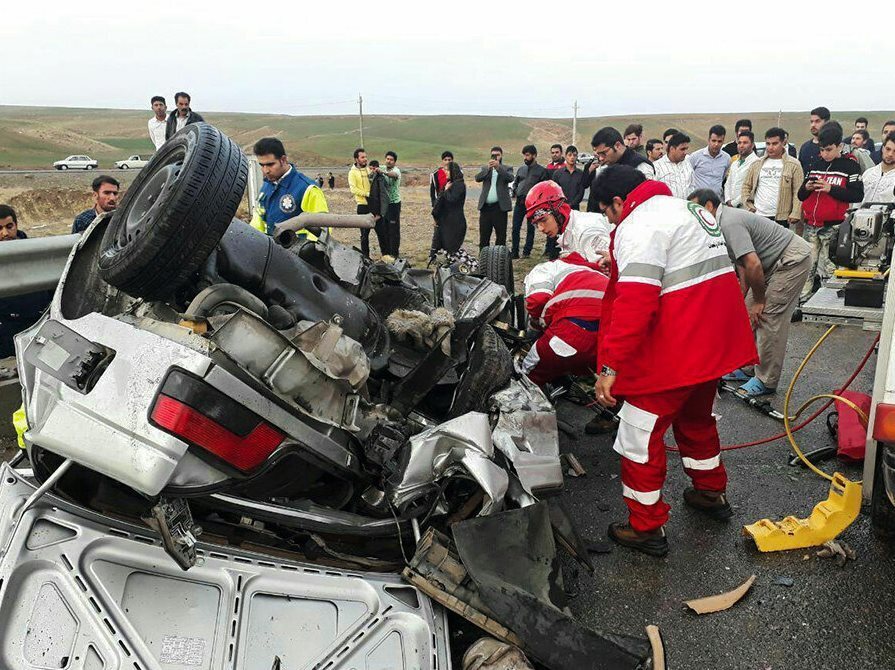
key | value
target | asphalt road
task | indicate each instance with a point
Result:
(831, 617)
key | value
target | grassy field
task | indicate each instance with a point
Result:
(33, 137)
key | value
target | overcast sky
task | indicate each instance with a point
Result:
(428, 57)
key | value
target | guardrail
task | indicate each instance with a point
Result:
(33, 264)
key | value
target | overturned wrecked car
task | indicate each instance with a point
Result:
(327, 449)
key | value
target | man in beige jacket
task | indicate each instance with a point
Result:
(771, 187)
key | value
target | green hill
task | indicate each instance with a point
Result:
(33, 137)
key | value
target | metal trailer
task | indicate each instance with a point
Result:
(827, 306)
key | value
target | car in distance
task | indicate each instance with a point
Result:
(132, 162)
(76, 163)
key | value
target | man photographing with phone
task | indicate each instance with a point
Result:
(494, 200)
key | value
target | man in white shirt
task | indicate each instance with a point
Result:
(771, 185)
(739, 166)
(674, 169)
(879, 181)
(157, 122)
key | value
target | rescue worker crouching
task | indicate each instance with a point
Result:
(673, 323)
(286, 192)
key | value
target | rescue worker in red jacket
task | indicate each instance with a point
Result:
(564, 299)
(585, 233)
(673, 323)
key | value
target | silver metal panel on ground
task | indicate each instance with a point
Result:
(827, 306)
(80, 590)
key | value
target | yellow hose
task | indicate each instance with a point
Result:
(810, 401)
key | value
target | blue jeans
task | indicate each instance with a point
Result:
(518, 220)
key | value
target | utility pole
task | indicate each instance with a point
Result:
(779, 118)
(360, 105)
(574, 121)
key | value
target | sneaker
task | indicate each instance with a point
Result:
(711, 503)
(653, 543)
(754, 388)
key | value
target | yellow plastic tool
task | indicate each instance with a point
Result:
(856, 274)
(829, 518)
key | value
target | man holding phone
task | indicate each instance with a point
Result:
(494, 200)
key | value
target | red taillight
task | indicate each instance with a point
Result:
(242, 452)
(884, 424)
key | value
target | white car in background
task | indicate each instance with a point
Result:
(132, 162)
(76, 163)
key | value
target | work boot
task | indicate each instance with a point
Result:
(600, 425)
(712, 503)
(653, 542)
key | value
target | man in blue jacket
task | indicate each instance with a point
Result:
(286, 192)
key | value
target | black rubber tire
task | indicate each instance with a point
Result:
(63, 167)
(882, 512)
(174, 213)
(89, 167)
(489, 369)
(496, 264)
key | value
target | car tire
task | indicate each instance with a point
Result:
(489, 369)
(63, 167)
(174, 213)
(496, 264)
(123, 167)
(882, 512)
(89, 167)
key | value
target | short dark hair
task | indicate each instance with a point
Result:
(607, 136)
(392, 154)
(555, 146)
(634, 128)
(862, 119)
(678, 139)
(822, 112)
(6, 211)
(103, 179)
(651, 144)
(743, 122)
(182, 94)
(670, 131)
(157, 98)
(269, 145)
(775, 132)
(530, 149)
(616, 181)
(890, 122)
(447, 154)
(889, 138)
(830, 133)
(571, 149)
(749, 134)
(863, 133)
(718, 130)
(704, 195)
(358, 152)
(500, 149)
(374, 163)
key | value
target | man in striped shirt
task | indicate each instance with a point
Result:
(673, 169)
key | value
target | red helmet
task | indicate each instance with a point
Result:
(547, 195)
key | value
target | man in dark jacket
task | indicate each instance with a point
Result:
(378, 202)
(609, 149)
(182, 116)
(527, 176)
(105, 199)
(17, 312)
(494, 200)
(830, 185)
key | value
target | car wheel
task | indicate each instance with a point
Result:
(488, 369)
(89, 167)
(882, 511)
(124, 167)
(174, 213)
(63, 167)
(496, 263)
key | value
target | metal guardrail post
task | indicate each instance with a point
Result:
(33, 264)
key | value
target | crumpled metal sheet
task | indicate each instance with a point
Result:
(461, 446)
(331, 351)
(489, 654)
(526, 433)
